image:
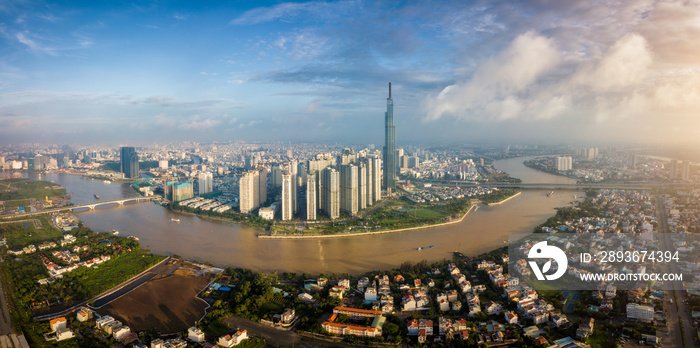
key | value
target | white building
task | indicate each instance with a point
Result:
(331, 192)
(287, 196)
(311, 206)
(195, 335)
(206, 182)
(248, 191)
(640, 312)
(349, 189)
(564, 163)
(58, 324)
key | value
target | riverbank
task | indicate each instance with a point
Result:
(536, 167)
(505, 200)
(263, 236)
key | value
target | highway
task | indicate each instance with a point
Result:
(679, 308)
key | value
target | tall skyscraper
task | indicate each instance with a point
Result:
(248, 191)
(206, 182)
(276, 176)
(293, 171)
(362, 202)
(262, 185)
(331, 194)
(348, 188)
(129, 162)
(311, 197)
(376, 178)
(674, 169)
(287, 202)
(389, 145)
(685, 173)
(176, 190)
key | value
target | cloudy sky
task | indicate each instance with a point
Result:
(535, 71)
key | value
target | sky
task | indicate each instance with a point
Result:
(497, 71)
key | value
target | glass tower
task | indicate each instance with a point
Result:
(389, 145)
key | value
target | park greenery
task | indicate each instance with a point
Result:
(498, 195)
(390, 214)
(20, 274)
(14, 189)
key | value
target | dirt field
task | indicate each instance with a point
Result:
(166, 305)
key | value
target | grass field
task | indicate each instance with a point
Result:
(428, 214)
(11, 189)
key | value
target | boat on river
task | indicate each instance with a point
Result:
(423, 248)
(107, 182)
(550, 193)
(175, 220)
(115, 232)
(97, 196)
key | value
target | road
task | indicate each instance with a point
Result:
(5, 322)
(275, 337)
(112, 294)
(679, 308)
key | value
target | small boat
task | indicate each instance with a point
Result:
(115, 232)
(97, 196)
(175, 220)
(134, 238)
(423, 248)
(107, 182)
(459, 254)
(550, 193)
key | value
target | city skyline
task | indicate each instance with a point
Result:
(472, 72)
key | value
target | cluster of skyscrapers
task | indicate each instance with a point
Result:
(348, 182)
(253, 189)
(680, 170)
(564, 163)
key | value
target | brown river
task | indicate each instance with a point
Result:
(229, 244)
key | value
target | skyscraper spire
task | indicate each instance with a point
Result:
(389, 146)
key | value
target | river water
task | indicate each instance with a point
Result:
(229, 244)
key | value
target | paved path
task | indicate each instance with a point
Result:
(275, 337)
(5, 323)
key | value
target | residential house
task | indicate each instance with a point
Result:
(370, 294)
(84, 314)
(559, 319)
(64, 334)
(492, 308)
(585, 329)
(511, 317)
(58, 324)
(194, 334)
(287, 316)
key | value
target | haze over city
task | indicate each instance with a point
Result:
(476, 71)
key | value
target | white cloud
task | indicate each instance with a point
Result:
(291, 11)
(625, 64)
(497, 86)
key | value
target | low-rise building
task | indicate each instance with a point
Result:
(640, 312)
(194, 334)
(58, 324)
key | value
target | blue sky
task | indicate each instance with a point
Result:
(462, 71)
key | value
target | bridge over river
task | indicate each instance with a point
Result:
(88, 206)
(564, 186)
